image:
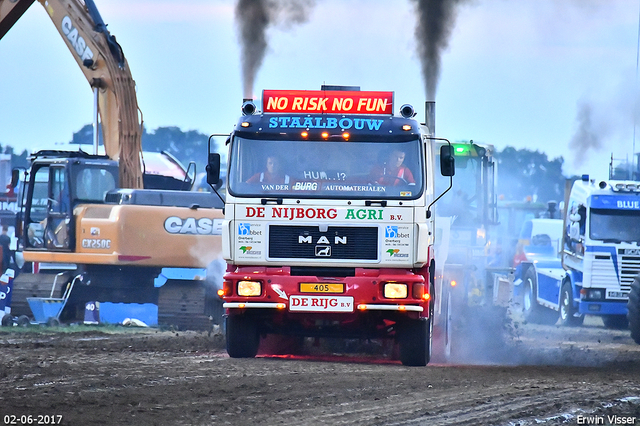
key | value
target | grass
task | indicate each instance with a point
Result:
(75, 328)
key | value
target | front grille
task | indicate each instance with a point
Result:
(319, 271)
(338, 242)
(629, 268)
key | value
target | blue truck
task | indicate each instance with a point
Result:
(596, 264)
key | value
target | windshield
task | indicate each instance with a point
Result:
(614, 225)
(93, 182)
(325, 169)
(461, 201)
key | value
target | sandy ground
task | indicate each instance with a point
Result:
(546, 375)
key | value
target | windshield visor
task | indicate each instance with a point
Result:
(325, 169)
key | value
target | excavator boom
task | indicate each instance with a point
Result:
(105, 67)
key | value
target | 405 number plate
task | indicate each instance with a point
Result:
(321, 288)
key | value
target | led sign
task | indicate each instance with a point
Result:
(329, 101)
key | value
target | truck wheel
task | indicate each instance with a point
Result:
(242, 336)
(448, 329)
(567, 310)
(615, 322)
(7, 320)
(415, 342)
(533, 312)
(633, 307)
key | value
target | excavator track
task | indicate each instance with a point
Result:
(188, 305)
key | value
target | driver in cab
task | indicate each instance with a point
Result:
(393, 171)
(272, 173)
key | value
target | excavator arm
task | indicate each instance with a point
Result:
(102, 61)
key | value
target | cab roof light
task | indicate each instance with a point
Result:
(406, 127)
(245, 124)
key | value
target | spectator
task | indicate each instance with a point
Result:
(5, 243)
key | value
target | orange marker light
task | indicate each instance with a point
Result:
(241, 305)
(402, 308)
(426, 296)
(221, 292)
(304, 134)
(406, 127)
(346, 135)
(453, 283)
(281, 306)
(325, 135)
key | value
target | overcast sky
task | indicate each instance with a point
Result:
(558, 76)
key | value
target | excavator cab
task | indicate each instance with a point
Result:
(56, 186)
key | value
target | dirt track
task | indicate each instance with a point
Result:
(145, 377)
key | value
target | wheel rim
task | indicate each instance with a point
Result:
(528, 296)
(564, 306)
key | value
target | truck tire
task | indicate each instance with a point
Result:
(533, 312)
(242, 336)
(415, 342)
(615, 322)
(633, 308)
(448, 329)
(567, 309)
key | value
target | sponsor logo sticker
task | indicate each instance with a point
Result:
(318, 303)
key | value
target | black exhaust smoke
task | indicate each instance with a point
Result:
(436, 19)
(587, 136)
(253, 18)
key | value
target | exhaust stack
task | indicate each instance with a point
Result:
(430, 117)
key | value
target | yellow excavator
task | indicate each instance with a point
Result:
(136, 242)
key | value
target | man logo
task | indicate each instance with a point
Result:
(323, 251)
(244, 229)
(391, 232)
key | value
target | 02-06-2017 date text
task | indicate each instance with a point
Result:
(28, 419)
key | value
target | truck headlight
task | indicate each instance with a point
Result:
(249, 288)
(395, 291)
(595, 294)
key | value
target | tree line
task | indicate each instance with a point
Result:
(522, 174)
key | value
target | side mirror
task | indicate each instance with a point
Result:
(213, 168)
(447, 161)
(15, 177)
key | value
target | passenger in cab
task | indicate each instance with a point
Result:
(393, 171)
